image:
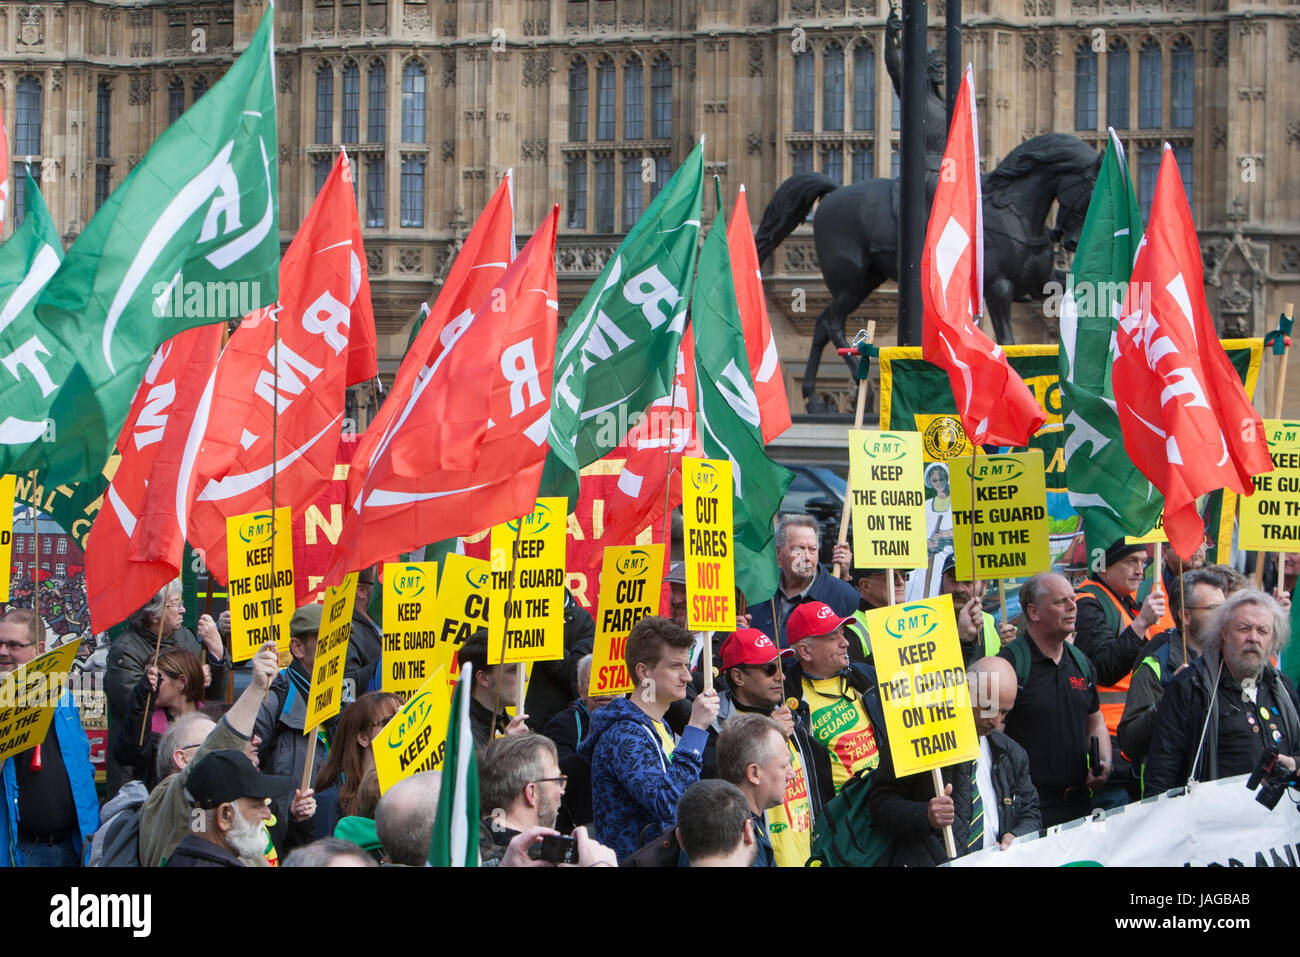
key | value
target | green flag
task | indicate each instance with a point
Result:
(728, 420)
(454, 842)
(1114, 498)
(618, 352)
(191, 237)
(33, 363)
(419, 324)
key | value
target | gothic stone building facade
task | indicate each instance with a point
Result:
(594, 102)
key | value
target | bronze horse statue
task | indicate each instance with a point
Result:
(855, 230)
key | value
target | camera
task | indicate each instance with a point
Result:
(1271, 778)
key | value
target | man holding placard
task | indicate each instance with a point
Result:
(50, 784)
(987, 802)
(280, 723)
(836, 700)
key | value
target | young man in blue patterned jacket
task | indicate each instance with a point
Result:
(638, 768)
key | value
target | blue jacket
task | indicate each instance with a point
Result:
(634, 785)
(75, 749)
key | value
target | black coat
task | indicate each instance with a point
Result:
(900, 806)
(553, 684)
(194, 851)
(568, 729)
(364, 648)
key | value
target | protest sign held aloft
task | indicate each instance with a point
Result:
(259, 556)
(7, 483)
(27, 699)
(326, 695)
(923, 691)
(415, 739)
(888, 504)
(410, 620)
(1270, 517)
(629, 590)
(464, 599)
(710, 557)
(1009, 520)
(528, 585)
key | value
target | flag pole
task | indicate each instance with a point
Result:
(505, 619)
(1284, 328)
(157, 647)
(974, 453)
(858, 416)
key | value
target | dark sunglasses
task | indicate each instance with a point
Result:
(768, 670)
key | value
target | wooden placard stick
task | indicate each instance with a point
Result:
(949, 844)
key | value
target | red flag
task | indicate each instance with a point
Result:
(326, 343)
(506, 353)
(995, 405)
(1186, 420)
(666, 434)
(4, 173)
(163, 408)
(760, 346)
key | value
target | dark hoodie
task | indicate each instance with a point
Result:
(634, 785)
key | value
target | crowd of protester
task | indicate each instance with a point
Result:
(1105, 690)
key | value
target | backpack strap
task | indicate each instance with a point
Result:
(1080, 659)
(1020, 660)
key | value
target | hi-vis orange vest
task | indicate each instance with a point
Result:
(1112, 696)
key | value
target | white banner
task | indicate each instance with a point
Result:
(1216, 823)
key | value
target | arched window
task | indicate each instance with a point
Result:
(661, 98)
(604, 194)
(863, 162)
(175, 99)
(1182, 88)
(103, 120)
(577, 190)
(1085, 87)
(1183, 157)
(1117, 85)
(633, 103)
(351, 104)
(833, 89)
(631, 191)
(325, 104)
(864, 87)
(1148, 171)
(413, 117)
(833, 164)
(1149, 85)
(605, 103)
(578, 108)
(804, 68)
(377, 103)
(198, 89)
(27, 131)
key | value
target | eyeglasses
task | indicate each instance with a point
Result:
(768, 670)
(563, 780)
(174, 603)
(12, 646)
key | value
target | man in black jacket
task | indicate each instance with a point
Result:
(366, 642)
(568, 729)
(802, 579)
(1221, 714)
(986, 802)
(231, 805)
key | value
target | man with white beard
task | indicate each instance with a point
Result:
(231, 800)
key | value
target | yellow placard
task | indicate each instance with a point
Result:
(923, 691)
(1009, 518)
(326, 695)
(528, 552)
(410, 625)
(630, 580)
(259, 556)
(1270, 516)
(28, 697)
(710, 559)
(464, 597)
(415, 739)
(888, 501)
(6, 531)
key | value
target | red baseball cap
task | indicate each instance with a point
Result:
(749, 646)
(812, 619)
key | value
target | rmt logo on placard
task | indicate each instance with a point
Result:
(257, 530)
(705, 480)
(633, 563)
(476, 579)
(884, 448)
(914, 621)
(409, 582)
(1000, 469)
(536, 522)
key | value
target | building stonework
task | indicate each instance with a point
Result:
(593, 103)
